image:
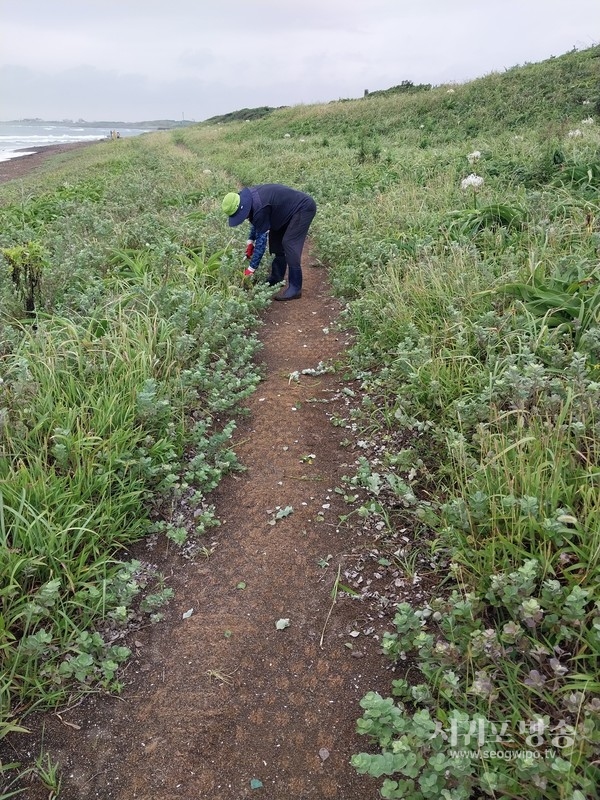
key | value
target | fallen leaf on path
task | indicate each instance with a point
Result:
(323, 754)
(187, 614)
(282, 623)
(283, 512)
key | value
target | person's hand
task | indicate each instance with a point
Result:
(249, 272)
(249, 248)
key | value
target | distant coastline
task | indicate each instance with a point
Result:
(153, 123)
(23, 137)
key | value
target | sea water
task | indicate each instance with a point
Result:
(23, 138)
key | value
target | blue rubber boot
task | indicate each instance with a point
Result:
(294, 290)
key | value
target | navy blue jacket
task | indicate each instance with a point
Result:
(273, 206)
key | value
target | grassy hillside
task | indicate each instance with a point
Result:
(460, 226)
(542, 96)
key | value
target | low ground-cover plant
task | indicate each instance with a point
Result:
(506, 706)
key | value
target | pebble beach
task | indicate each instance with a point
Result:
(15, 168)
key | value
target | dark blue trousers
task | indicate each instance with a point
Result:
(287, 243)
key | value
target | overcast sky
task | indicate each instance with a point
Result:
(134, 60)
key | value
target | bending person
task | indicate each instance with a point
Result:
(281, 214)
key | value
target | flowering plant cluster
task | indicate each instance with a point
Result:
(472, 181)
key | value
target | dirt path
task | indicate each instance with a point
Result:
(221, 700)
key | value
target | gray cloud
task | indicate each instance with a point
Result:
(109, 59)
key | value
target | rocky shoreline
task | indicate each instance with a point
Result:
(22, 165)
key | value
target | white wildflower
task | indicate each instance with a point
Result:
(587, 121)
(450, 91)
(287, 135)
(474, 156)
(421, 126)
(587, 102)
(574, 134)
(472, 181)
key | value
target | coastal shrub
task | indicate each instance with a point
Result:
(26, 265)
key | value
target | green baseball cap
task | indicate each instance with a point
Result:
(231, 203)
(237, 206)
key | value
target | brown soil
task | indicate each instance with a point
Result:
(222, 698)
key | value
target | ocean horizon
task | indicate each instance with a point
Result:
(24, 138)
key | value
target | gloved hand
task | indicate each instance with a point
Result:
(249, 248)
(249, 272)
